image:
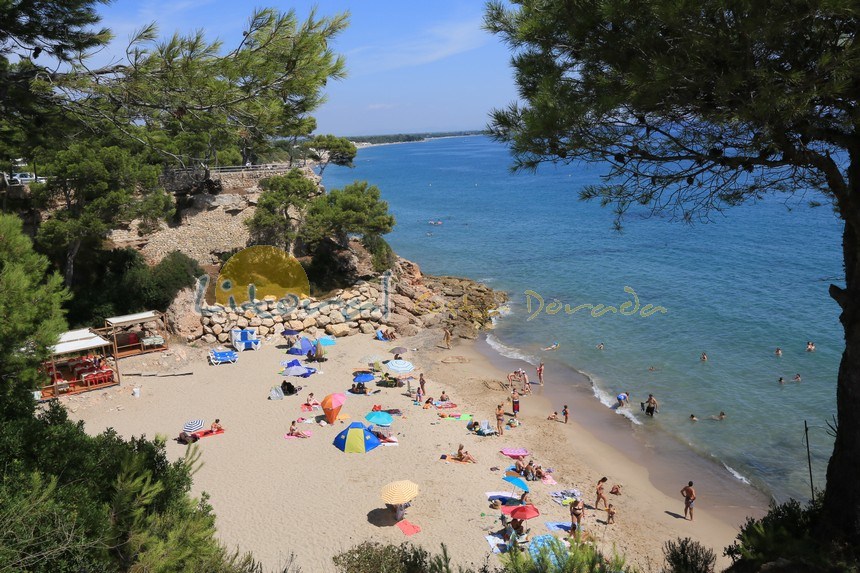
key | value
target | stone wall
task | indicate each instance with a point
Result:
(405, 301)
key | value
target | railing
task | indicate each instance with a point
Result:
(238, 168)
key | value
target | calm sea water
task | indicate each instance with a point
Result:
(736, 288)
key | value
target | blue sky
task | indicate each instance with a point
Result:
(412, 66)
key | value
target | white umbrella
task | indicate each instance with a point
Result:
(193, 426)
(400, 366)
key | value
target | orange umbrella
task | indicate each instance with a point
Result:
(331, 405)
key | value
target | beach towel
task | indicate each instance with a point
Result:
(497, 543)
(515, 453)
(307, 408)
(394, 443)
(497, 494)
(452, 459)
(407, 528)
(276, 393)
(206, 433)
(565, 496)
(548, 480)
(447, 416)
(558, 526)
(444, 405)
(343, 416)
(289, 437)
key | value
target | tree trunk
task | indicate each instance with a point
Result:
(842, 496)
(71, 254)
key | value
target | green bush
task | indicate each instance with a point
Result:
(688, 556)
(382, 256)
(372, 557)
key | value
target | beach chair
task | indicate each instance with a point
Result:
(485, 429)
(245, 339)
(222, 356)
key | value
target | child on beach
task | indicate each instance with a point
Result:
(565, 412)
(610, 515)
(553, 417)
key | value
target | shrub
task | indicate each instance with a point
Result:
(382, 256)
(371, 557)
(688, 556)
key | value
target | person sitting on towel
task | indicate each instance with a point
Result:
(391, 335)
(186, 438)
(311, 401)
(444, 397)
(539, 472)
(525, 498)
(428, 403)
(520, 466)
(464, 456)
(294, 431)
(216, 425)
(529, 471)
(381, 335)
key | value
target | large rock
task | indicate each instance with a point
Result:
(218, 318)
(337, 318)
(209, 338)
(337, 329)
(223, 337)
(268, 322)
(366, 328)
(308, 323)
(181, 317)
(396, 320)
(431, 319)
(408, 330)
(242, 322)
(217, 329)
(322, 320)
(401, 302)
(295, 325)
(205, 202)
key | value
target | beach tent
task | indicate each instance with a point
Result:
(355, 439)
(301, 347)
(331, 406)
(295, 370)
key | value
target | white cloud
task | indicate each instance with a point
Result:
(436, 43)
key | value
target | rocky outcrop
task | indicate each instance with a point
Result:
(404, 300)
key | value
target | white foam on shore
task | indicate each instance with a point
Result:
(611, 402)
(509, 352)
(735, 474)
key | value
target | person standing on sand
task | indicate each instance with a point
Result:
(566, 413)
(689, 497)
(577, 512)
(500, 420)
(448, 335)
(515, 402)
(540, 373)
(421, 382)
(600, 494)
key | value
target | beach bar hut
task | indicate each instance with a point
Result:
(137, 333)
(77, 364)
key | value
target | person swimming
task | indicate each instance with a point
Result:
(553, 346)
(720, 417)
(797, 377)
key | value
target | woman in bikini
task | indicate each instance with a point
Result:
(294, 431)
(577, 511)
(600, 494)
(500, 420)
(465, 456)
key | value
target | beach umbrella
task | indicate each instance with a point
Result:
(379, 418)
(398, 492)
(331, 406)
(356, 439)
(399, 350)
(193, 426)
(371, 358)
(326, 341)
(525, 512)
(295, 371)
(516, 482)
(363, 377)
(400, 366)
(301, 346)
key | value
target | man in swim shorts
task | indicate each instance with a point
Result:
(650, 405)
(689, 497)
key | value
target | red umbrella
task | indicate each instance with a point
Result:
(525, 512)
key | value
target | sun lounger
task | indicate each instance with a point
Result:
(223, 356)
(485, 429)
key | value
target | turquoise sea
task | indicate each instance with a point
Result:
(751, 280)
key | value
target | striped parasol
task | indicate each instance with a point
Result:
(398, 492)
(371, 358)
(400, 366)
(193, 426)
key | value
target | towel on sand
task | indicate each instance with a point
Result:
(497, 543)
(558, 526)
(515, 453)
(452, 458)
(548, 480)
(289, 437)
(408, 528)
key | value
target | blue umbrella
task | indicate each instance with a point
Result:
(516, 482)
(302, 346)
(355, 439)
(295, 371)
(193, 426)
(327, 341)
(379, 418)
(363, 377)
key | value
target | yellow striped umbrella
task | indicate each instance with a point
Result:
(398, 492)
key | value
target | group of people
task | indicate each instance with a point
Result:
(529, 471)
(519, 375)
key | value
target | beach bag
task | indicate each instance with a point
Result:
(276, 394)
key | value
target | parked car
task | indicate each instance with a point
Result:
(24, 178)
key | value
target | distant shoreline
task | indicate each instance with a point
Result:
(362, 144)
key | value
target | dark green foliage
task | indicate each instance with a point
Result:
(688, 556)
(279, 209)
(355, 209)
(787, 532)
(117, 282)
(327, 149)
(382, 256)
(31, 305)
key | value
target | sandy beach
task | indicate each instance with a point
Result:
(276, 497)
